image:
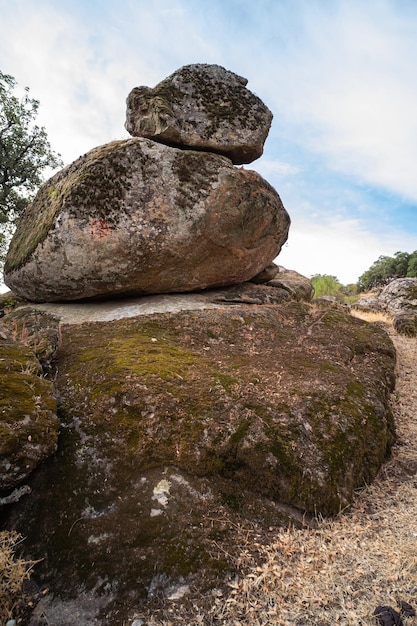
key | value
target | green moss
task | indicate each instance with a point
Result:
(226, 381)
(27, 403)
(283, 404)
(194, 389)
(147, 356)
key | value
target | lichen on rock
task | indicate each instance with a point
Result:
(136, 217)
(171, 419)
(28, 421)
(203, 107)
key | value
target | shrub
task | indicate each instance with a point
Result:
(325, 285)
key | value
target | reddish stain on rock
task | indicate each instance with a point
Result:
(99, 228)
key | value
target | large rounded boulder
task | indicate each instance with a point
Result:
(137, 217)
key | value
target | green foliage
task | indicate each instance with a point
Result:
(325, 285)
(385, 269)
(25, 153)
(412, 266)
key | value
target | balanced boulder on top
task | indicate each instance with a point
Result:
(204, 107)
(138, 216)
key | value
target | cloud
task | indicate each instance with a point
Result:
(278, 169)
(81, 66)
(349, 91)
(345, 249)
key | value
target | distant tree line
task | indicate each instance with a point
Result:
(383, 271)
(386, 269)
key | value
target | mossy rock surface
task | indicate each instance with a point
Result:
(261, 396)
(179, 428)
(406, 324)
(28, 421)
(136, 217)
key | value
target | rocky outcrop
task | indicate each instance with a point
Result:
(406, 323)
(399, 296)
(243, 410)
(185, 419)
(298, 286)
(137, 217)
(28, 421)
(367, 303)
(396, 298)
(203, 107)
(140, 216)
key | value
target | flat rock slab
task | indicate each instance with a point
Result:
(136, 217)
(204, 107)
(80, 312)
(106, 311)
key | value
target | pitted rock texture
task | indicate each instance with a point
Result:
(406, 323)
(137, 217)
(399, 296)
(204, 107)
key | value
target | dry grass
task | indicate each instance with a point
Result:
(373, 316)
(13, 573)
(339, 572)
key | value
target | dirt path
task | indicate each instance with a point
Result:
(405, 401)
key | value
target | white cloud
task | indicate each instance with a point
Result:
(278, 169)
(80, 75)
(341, 248)
(350, 90)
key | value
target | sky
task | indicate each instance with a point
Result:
(340, 77)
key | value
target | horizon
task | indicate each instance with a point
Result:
(339, 80)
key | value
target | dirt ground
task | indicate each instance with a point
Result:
(341, 570)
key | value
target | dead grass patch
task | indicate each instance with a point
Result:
(13, 573)
(373, 316)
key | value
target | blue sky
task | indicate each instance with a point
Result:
(339, 76)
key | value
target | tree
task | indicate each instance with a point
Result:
(25, 153)
(388, 268)
(412, 265)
